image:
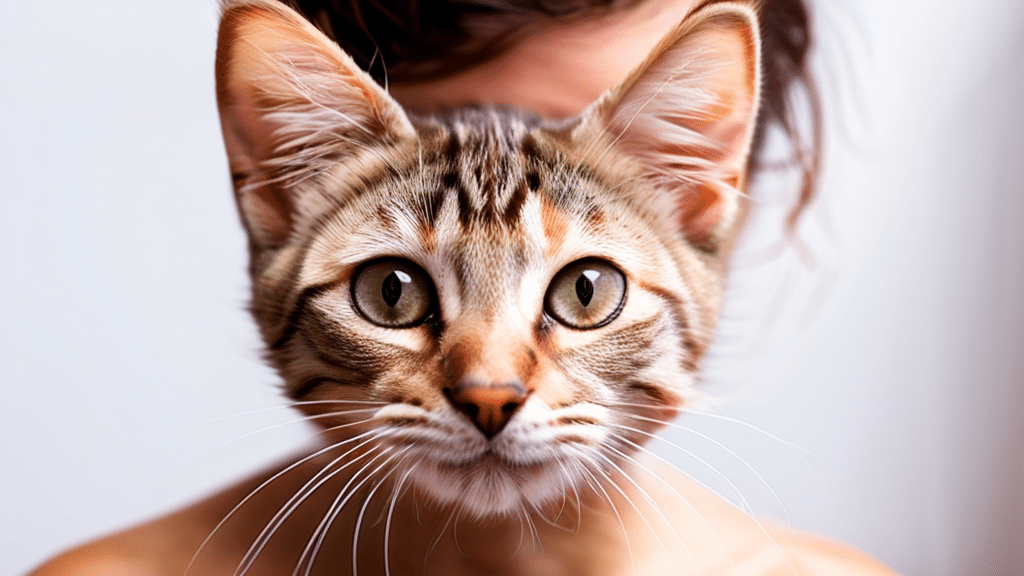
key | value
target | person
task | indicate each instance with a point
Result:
(552, 57)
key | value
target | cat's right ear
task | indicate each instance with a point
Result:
(294, 108)
(686, 117)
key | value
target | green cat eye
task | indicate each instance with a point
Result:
(393, 293)
(586, 294)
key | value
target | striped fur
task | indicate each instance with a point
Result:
(331, 173)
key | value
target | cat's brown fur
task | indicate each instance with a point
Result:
(487, 434)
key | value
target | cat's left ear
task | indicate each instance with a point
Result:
(687, 115)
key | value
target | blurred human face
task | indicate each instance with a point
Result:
(557, 69)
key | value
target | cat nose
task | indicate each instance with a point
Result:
(489, 406)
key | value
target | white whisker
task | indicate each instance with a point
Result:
(288, 508)
(440, 534)
(359, 520)
(534, 534)
(288, 406)
(684, 499)
(625, 535)
(642, 516)
(729, 451)
(320, 534)
(297, 421)
(455, 533)
(799, 450)
(256, 490)
(746, 508)
(387, 522)
(522, 534)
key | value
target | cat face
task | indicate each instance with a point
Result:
(496, 307)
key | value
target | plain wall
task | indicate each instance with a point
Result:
(893, 350)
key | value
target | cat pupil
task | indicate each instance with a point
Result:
(585, 288)
(391, 288)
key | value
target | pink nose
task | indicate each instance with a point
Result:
(490, 407)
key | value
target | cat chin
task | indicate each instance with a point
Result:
(489, 487)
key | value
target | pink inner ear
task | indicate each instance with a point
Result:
(273, 214)
(687, 115)
(701, 209)
(248, 138)
(293, 107)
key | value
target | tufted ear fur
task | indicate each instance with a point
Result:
(687, 115)
(293, 107)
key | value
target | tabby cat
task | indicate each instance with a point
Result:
(486, 313)
(510, 291)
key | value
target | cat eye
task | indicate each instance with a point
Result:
(393, 293)
(586, 294)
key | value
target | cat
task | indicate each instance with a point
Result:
(504, 286)
(486, 313)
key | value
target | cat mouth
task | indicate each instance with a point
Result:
(490, 460)
(489, 484)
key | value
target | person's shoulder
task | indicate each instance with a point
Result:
(110, 556)
(162, 546)
(814, 556)
(753, 547)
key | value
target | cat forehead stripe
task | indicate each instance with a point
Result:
(491, 162)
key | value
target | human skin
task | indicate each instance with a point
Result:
(556, 70)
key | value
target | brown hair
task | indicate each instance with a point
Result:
(418, 39)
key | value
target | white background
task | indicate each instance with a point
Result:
(894, 353)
